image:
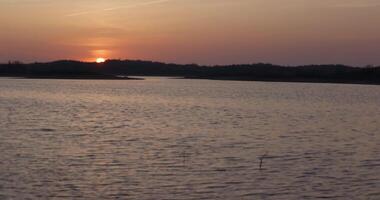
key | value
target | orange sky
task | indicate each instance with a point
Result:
(192, 31)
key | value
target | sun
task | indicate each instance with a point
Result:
(100, 60)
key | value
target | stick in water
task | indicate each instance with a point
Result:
(261, 159)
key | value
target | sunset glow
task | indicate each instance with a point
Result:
(192, 31)
(100, 60)
(189, 99)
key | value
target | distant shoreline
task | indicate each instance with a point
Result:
(194, 78)
(284, 80)
(124, 69)
(101, 77)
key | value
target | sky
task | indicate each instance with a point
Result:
(287, 32)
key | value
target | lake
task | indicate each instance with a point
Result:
(164, 138)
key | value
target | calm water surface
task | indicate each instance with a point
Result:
(188, 139)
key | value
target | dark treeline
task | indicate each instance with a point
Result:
(112, 69)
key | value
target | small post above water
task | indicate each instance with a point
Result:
(261, 160)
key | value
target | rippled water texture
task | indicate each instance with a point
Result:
(188, 139)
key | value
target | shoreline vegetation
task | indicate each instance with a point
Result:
(123, 69)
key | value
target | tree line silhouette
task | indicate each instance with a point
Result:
(115, 69)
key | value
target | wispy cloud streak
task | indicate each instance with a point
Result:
(358, 5)
(137, 5)
(117, 8)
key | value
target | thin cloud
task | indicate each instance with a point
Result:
(137, 5)
(117, 8)
(79, 13)
(358, 5)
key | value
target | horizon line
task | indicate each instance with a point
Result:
(172, 63)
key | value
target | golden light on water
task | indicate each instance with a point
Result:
(100, 60)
